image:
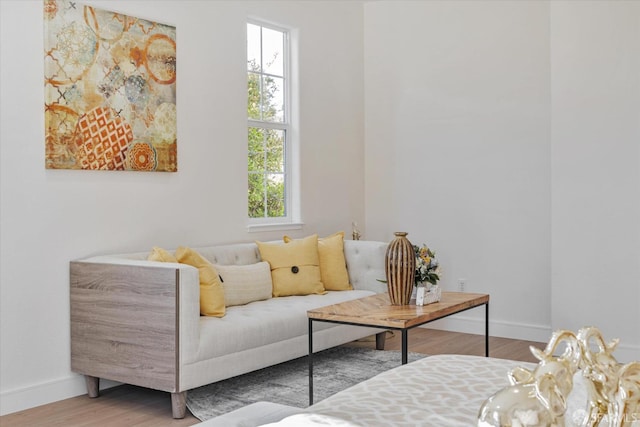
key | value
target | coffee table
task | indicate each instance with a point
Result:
(377, 311)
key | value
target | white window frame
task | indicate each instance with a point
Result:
(291, 220)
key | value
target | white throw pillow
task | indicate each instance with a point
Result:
(243, 284)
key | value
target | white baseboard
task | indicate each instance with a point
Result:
(497, 328)
(44, 393)
(624, 353)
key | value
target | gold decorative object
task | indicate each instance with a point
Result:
(613, 388)
(538, 398)
(355, 233)
(400, 266)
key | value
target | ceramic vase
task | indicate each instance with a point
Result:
(400, 268)
(426, 293)
(420, 291)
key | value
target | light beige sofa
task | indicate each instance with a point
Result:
(138, 322)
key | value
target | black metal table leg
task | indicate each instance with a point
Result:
(405, 346)
(486, 330)
(310, 362)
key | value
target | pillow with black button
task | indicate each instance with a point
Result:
(333, 266)
(295, 266)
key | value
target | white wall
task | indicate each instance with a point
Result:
(457, 148)
(49, 217)
(506, 135)
(595, 58)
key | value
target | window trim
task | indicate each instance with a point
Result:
(291, 220)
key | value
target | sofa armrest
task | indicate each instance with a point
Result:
(133, 321)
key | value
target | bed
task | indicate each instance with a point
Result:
(441, 390)
(437, 391)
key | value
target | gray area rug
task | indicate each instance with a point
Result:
(334, 370)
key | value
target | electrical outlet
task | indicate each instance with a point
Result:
(462, 284)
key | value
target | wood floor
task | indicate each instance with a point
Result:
(134, 406)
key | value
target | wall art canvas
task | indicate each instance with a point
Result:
(110, 90)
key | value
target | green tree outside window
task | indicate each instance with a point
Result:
(266, 137)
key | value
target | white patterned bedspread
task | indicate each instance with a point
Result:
(438, 391)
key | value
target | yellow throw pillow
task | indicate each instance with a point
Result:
(161, 255)
(211, 291)
(333, 266)
(295, 266)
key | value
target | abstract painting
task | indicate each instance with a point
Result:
(110, 90)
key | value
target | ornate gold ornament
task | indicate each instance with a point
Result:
(538, 397)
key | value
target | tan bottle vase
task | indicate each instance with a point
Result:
(400, 268)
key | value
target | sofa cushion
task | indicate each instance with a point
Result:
(243, 284)
(333, 266)
(266, 322)
(365, 263)
(295, 266)
(211, 292)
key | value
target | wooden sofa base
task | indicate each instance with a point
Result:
(179, 404)
(93, 386)
(179, 400)
(111, 304)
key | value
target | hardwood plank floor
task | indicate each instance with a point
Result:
(134, 406)
(433, 341)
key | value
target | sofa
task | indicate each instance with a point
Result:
(138, 321)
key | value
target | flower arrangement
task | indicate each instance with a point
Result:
(427, 267)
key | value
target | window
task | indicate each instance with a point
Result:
(269, 128)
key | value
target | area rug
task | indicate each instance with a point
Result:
(334, 370)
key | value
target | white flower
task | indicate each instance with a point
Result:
(427, 266)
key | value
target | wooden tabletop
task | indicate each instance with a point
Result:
(376, 310)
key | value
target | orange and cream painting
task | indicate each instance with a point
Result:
(110, 90)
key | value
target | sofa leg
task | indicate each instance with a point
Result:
(179, 404)
(93, 385)
(380, 340)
